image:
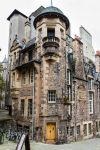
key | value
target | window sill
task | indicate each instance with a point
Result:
(53, 102)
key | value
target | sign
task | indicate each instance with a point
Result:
(24, 139)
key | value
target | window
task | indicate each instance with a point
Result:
(51, 32)
(52, 96)
(67, 130)
(78, 130)
(13, 79)
(69, 109)
(71, 131)
(23, 78)
(62, 33)
(69, 92)
(85, 129)
(31, 76)
(22, 107)
(90, 84)
(97, 127)
(68, 77)
(90, 128)
(29, 107)
(91, 95)
(30, 54)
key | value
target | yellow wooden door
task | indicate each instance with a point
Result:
(51, 131)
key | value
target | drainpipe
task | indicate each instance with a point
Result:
(33, 107)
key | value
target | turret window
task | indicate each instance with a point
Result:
(62, 33)
(51, 32)
(40, 33)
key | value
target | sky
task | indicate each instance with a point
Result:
(79, 12)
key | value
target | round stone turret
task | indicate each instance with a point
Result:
(52, 12)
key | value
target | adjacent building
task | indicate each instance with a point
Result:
(4, 65)
(53, 89)
(88, 49)
(97, 61)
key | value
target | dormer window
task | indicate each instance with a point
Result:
(50, 32)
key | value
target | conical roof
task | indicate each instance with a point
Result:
(5, 60)
(52, 11)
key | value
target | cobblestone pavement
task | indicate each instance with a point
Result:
(92, 144)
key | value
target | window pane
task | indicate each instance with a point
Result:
(90, 128)
(71, 131)
(29, 107)
(51, 95)
(78, 130)
(22, 107)
(85, 129)
(51, 32)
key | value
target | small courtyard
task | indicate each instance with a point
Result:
(91, 144)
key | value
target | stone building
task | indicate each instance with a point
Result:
(97, 61)
(53, 87)
(3, 72)
(88, 49)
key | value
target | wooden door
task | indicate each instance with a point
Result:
(51, 132)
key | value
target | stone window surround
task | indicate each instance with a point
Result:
(90, 101)
(85, 129)
(89, 122)
(29, 107)
(68, 77)
(22, 107)
(90, 84)
(78, 128)
(52, 96)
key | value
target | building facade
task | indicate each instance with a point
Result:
(97, 61)
(3, 72)
(88, 49)
(53, 88)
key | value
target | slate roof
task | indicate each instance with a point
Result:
(16, 12)
(38, 11)
(29, 43)
(5, 60)
(52, 9)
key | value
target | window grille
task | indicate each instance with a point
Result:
(51, 96)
